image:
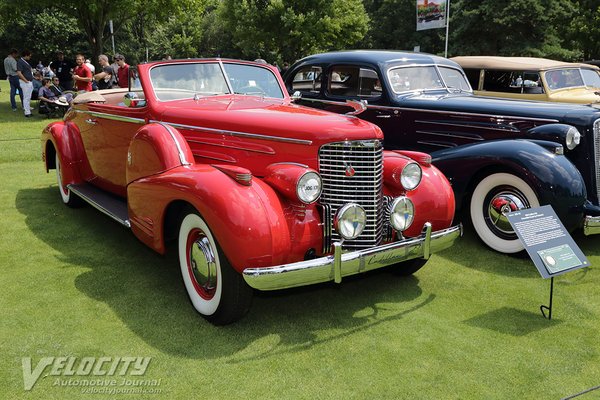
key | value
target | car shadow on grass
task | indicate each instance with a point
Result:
(146, 292)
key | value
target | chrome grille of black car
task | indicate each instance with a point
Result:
(597, 156)
(352, 172)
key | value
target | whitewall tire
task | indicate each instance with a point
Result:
(494, 197)
(216, 290)
(66, 195)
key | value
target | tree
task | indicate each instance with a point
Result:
(393, 26)
(279, 30)
(584, 29)
(511, 28)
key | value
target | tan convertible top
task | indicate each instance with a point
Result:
(524, 63)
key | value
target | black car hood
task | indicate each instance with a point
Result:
(468, 103)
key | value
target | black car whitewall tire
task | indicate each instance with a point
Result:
(216, 290)
(493, 197)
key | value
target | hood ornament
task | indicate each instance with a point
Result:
(350, 171)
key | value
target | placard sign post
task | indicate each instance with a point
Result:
(549, 245)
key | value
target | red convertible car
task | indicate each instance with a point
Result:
(255, 191)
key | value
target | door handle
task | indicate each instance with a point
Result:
(91, 121)
(384, 116)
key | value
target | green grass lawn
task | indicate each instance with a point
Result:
(467, 326)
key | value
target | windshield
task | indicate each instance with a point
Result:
(404, 79)
(572, 78)
(591, 77)
(188, 80)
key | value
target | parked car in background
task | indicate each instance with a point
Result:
(532, 78)
(500, 155)
(255, 191)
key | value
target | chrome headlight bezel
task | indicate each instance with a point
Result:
(572, 138)
(350, 221)
(411, 176)
(311, 180)
(402, 213)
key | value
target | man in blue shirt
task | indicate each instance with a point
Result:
(25, 73)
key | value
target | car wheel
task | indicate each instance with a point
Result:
(68, 198)
(216, 290)
(494, 197)
(409, 267)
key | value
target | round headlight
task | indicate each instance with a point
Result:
(350, 221)
(402, 213)
(309, 187)
(411, 176)
(573, 138)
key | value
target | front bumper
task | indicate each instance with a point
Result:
(338, 265)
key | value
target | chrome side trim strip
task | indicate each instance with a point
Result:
(182, 158)
(335, 267)
(239, 134)
(378, 107)
(511, 129)
(596, 137)
(451, 135)
(231, 147)
(591, 225)
(113, 117)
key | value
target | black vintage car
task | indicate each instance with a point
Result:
(500, 155)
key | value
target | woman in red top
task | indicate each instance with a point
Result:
(82, 74)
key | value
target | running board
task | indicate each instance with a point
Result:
(111, 205)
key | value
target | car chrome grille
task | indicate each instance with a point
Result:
(597, 156)
(352, 172)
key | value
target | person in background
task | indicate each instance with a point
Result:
(62, 68)
(123, 72)
(59, 91)
(10, 68)
(39, 66)
(37, 84)
(82, 75)
(89, 64)
(25, 73)
(107, 78)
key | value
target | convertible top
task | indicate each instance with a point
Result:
(526, 63)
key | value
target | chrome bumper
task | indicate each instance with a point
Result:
(591, 225)
(338, 265)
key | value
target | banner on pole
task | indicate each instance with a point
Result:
(431, 14)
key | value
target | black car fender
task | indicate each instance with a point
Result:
(554, 179)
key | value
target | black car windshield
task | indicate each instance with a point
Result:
(188, 80)
(420, 77)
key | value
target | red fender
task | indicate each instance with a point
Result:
(67, 143)
(253, 224)
(156, 148)
(433, 198)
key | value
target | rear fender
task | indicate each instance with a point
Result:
(63, 138)
(154, 149)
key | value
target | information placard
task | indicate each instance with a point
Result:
(550, 246)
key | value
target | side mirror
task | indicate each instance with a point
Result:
(296, 96)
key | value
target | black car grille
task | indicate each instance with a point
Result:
(352, 172)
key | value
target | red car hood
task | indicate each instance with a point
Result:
(265, 116)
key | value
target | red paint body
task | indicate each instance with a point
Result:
(152, 165)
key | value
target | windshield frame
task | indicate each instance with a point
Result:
(436, 67)
(221, 64)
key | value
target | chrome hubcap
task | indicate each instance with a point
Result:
(503, 203)
(203, 264)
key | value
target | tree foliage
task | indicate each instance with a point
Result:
(279, 30)
(285, 30)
